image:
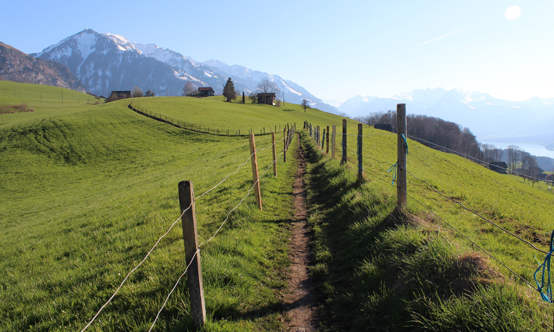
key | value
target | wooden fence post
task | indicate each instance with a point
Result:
(285, 144)
(255, 175)
(323, 140)
(343, 160)
(274, 154)
(401, 180)
(360, 163)
(333, 140)
(327, 138)
(190, 237)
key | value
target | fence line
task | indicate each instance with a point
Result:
(214, 235)
(171, 227)
(464, 236)
(478, 160)
(466, 208)
(192, 127)
(404, 192)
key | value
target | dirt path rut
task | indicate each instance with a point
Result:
(301, 299)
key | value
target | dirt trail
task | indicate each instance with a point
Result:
(301, 299)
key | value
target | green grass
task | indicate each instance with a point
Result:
(86, 190)
(213, 113)
(380, 271)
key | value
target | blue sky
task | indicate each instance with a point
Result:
(335, 50)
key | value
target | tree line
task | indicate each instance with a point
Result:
(460, 139)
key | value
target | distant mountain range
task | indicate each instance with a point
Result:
(106, 62)
(489, 118)
(19, 67)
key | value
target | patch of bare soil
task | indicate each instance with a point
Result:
(301, 298)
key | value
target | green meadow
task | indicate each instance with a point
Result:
(87, 188)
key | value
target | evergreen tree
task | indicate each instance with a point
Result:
(229, 90)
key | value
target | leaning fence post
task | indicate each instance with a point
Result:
(401, 180)
(190, 237)
(343, 160)
(255, 175)
(360, 164)
(274, 154)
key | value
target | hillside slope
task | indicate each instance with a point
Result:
(19, 67)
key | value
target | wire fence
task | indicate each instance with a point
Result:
(288, 138)
(545, 266)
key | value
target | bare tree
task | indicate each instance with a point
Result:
(189, 89)
(253, 97)
(137, 92)
(513, 152)
(267, 86)
(305, 104)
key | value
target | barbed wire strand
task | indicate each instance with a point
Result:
(213, 236)
(238, 168)
(173, 289)
(476, 213)
(167, 232)
(242, 200)
(462, 234)
(478, 160)
(136, 267)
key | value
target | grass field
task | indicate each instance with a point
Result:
(381, 271)
(88, 188)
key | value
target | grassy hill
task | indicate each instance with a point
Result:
(87, 189)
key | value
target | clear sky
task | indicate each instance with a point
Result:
(336, 50)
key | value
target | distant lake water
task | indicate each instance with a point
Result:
(534, 149)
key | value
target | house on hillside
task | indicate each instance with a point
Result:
(385, 126)
(499, 167)
(266, 98)
(205, 91)
(116, 95)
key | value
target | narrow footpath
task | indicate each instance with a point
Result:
(301, 297)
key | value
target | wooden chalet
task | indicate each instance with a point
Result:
(383, 126)
(206, 91)
(499, 167)
(266, 98)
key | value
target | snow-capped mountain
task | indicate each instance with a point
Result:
(106, 62)
(489, 118)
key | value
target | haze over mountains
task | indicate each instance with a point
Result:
(489, 118)
(106, 62)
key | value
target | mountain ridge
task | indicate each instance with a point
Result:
(488, 117)
(106, 62)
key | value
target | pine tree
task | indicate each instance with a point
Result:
(229, 90)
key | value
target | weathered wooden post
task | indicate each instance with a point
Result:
(274, 154)
(333, 140)
(323, 140)
(255, 175)
(190, 237)
(327, 138)
(360, 163)
(401, 179)
(343, 160)
(285, 144)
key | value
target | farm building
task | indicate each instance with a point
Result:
(499, 167)
(205, 91)
(266, 98)
(115, 95)
(386, 126)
